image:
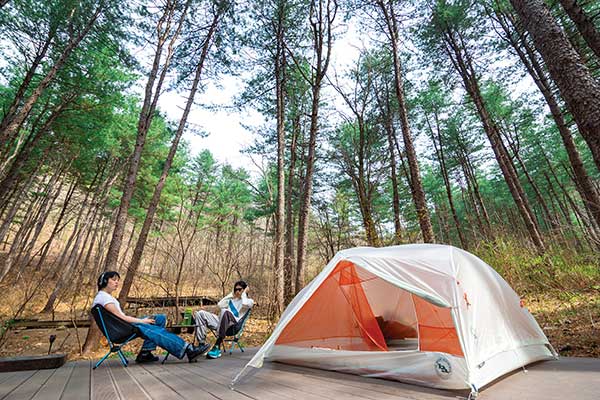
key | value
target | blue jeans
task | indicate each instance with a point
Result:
(156, 334)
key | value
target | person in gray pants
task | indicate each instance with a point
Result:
(232, 307)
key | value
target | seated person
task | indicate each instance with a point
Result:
(152, 329)
(233, 308)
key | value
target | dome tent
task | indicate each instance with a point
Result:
(428, 314)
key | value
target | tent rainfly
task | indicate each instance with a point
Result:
(433, 315)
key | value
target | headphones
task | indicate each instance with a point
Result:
(102, 280)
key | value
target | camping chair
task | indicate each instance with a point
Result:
(117, 332)
(234, 333)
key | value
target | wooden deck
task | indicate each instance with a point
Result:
(567, 378)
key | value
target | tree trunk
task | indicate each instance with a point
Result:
(321, 20)
(288, 262)
(66, 263)
(149, 219)
(99, 254)
(281, 284)
(442, 214)
(14, 207)
(439, 150)
(585, 24)
(471, 176)
(12, 175)
(97, 205)
(530, 60)
(151, 95)
(473, 196)
(356, 160)
(365, 206)
(19, 239)
(462, 63)
(155, 250)
(538, 194)
(9, 115)
(41, 219)
(592, 236)
(46, 247)
(416, 186)
(576, 84)
(20, 115)
(387, 115)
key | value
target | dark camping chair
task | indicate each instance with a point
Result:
(234, 333)
(117, 332)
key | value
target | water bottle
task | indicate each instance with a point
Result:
(187, 317)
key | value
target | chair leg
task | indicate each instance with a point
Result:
(235, 343)
(165, 359)
(102, 360)
(123, 359)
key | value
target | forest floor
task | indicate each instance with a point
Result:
(571, 320)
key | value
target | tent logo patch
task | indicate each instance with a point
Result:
(443, 368)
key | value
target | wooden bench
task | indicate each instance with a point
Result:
(25, 363)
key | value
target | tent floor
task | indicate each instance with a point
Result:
(567, 378)
(402, 345)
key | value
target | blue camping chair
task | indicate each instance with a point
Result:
(117, 332)
(234, 333)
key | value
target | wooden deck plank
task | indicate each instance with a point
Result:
(125, 383)
(221, 378)
(312, 388)
(31, 386)
(78, 387)
(4, 376)
(15, 379)
(338, 386)
(258, 384)
(215, 385)
(225, 371)
(54, 387)
(277, 376)
(102, 385)
(268, 378)
(182, 382)
(153, 387)
(294, 390)
(193, 386)
(566, 378)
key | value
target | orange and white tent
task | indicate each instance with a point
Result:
(428, 314)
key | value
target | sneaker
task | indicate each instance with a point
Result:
(193, 352)
(146, 357)
(214, 353)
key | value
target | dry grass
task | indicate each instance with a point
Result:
(570, 320)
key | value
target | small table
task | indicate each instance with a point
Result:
(178, 328)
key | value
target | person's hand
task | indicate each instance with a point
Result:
(148, 321)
